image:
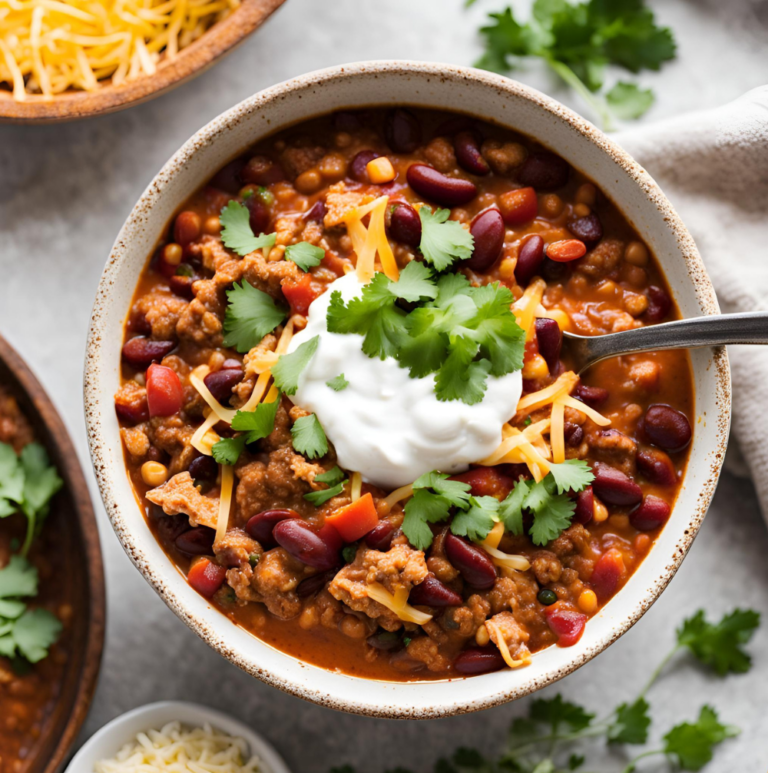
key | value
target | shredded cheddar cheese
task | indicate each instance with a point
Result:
(225, 501)
(369, 242)
(356, 487)
(397, 603)
(196, 379)
(524, 308)
(51, 46)
(199, 441)
(398, 495)
(503, 648)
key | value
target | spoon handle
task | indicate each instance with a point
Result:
(717, 330)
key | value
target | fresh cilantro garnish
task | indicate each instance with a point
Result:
(720, 645)
(443, 241)
(28, 482)
(236, 231)
(251, 314)
(304, 255)
(691, 743)
(631, 723)
(331, 477)
(24, 632)
(477, 520)
(308, 437)
(578, 40)
(228, 450)
(415, 283)
(318, 498)
(571, 475)
(289, 367)
(338, 384)
(557, 713)
(255, 424)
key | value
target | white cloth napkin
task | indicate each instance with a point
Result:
(713, 166)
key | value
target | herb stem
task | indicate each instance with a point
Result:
(633, 762)
(30, 535)
(554, 738)
(658, 670)
(573, 80)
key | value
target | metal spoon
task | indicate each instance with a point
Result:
(718, 330)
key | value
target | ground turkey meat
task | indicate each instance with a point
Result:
(546, 567)
(162, 312)
(275, 579)
(505, 626)
(14, 428)
(300, 157)
(602, 260)
(235, 548)
(339, 202)
(614, 448)
(179, 495)
(440, 155)
(426, 651)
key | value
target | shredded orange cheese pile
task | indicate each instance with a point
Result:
(50, 46)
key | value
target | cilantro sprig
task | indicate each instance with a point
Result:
(309, 437)
(251, 314)
(236, 231)
(254, 425)
(543, 741)
(443, 241)
(578, 40)
(435, 498)
(304, 255)
(334, 479)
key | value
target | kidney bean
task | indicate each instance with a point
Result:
(652, 513)
(230, 363)
(181, 284)
(197, 541)
(316, 212)
(169, 526)
(314, 584)
(385, 641)
(585, 506)
(666, 427)
(589, 229)
(553, 271)
(228, 178)
(467, 149)
(259, 215)
(488, 481)
(156, 455)
(138, 324)
(380, 536)
(479, 660)
(133, 412)
(519, 207)
(566, 624)
(514, 471)
(447, 191)
(456, 124)
(544, 171)
(305, 544)
(405, 225)
(261, 526)
(357, 169)
(550, 340)
(473, 562)
(592, 396)
(566, 250)
(141, 352)
(574, 434)
(203, 468)
(430, 592)
(222, 382)
(659, 304)
(261, 170)
(613, 487)
(656, 466)
(344, 121)
(487, 229)
(187, 228)
(529, 258)
(402, 131)
(607, 574)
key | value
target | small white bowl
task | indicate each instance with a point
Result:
(441, 86)
(108, 741)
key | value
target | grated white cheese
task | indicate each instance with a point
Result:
(176, 749)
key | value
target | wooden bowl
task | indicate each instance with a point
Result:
(219, 40)
(73, 519)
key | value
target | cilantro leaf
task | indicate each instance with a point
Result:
(692, 743)
(556, 712)
(11, 475)
(251, 314)
(236, 231)
(455, 492)
(478, 520)
(228, 450)
(460, 377)
(628, 100)
(422, 509)
(338, 384)
(332, 477)
(304, 255)
(258, 423)
(318, 498)
(18, 578)
(511, 508)
(289, 367)
(308, 437)
(415, 283)
(631, 723)
(443, 241)
(719, 645)
(571, 475)
(34, 632)
(551, 518)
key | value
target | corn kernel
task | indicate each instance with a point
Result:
(209, 440)
(587, 602)
(172, 254)
(507, 268)
(380, 170)
(212, 225)
(535, 368)
(599, 510)
(581, 210)
(154, 473)
(482, 637)
(608, 287)
(561, 317)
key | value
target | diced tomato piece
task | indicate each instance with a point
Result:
(334, 263)
(566, 624)
(607, 574)
(300, 294)
(356, 520)
(165, 394)
(487, 482)
(519, 207)
(206, 577)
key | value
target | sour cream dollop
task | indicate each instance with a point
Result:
(387, 426)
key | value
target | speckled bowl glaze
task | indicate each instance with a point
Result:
(428, 85)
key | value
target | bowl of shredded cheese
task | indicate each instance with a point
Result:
(67, 59)
(176, 737)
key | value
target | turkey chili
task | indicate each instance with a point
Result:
(347, 408)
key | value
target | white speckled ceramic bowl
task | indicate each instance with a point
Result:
(427, 85)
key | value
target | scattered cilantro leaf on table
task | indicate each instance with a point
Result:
(443, 241)
(338, 384)
(304, 255)
(556, 712)
(631, 723)
(236, 231)
(628, 100)
(692, 743)
(251, 314)
(289, 367)
(308, 437)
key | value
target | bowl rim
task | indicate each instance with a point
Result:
(702, 286)
(59, 443)
(123, 728)
(220, 39)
